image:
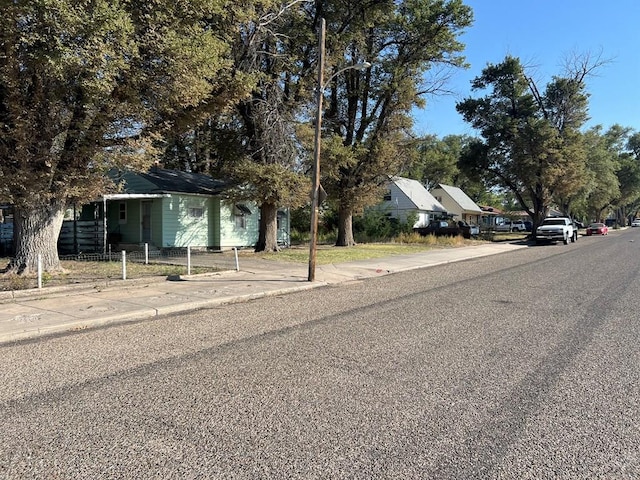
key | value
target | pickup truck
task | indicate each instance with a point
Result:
(554, 229)
(515, 226)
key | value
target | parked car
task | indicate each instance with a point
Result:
(474, 230)
(554, 229)
(636, 222)
(515, 226)
(597, 229)
(444, 228)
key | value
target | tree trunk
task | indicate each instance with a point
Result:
(345, 228)
(36, 232)
(268, 234)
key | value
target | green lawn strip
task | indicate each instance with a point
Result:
(330, 254)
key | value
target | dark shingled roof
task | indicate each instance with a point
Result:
(173, 181)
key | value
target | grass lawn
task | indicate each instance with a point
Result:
(327, 254)
(76, 272)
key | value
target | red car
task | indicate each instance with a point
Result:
(597, 229)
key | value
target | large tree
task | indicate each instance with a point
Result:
(603, 186)
(252, 144)
(84, 86)
(531, 142)
(620, 141)
(367, 122)
(436, 160)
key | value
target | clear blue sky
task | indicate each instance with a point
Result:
(543, 33)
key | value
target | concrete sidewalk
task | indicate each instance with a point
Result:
(33, 313)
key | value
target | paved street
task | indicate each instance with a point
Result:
(518, 365)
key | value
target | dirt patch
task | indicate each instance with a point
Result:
(81, 272)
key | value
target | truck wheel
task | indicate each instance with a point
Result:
(574, 237)
(565, 240)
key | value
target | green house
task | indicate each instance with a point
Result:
(173, 209)
(165, 209)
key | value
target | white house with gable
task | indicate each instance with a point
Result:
(405, 196)
(458, 203)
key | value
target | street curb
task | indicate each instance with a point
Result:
(145, 313)
(335, 274)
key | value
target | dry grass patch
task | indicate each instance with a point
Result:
(327, 254)
(76, 272)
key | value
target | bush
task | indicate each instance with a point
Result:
(376, 225)
(417, 239)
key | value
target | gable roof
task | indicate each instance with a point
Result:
(160, 180)
(461, 198)
(419, 195)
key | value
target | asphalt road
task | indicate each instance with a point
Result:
(520, 365)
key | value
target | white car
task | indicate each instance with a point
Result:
(636, 223)
(515, 226)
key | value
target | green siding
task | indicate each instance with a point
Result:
(235, 236)
(175, 224)
(129, 229)
(156, 222)
(180, 227)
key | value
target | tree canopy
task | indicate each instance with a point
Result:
(367, 123)
(531, 142)
(87, 86)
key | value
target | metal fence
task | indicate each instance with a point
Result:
(121, 265)
(168, 256)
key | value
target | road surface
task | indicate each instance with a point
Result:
(520, 365)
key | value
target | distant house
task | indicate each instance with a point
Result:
(458, 204)
(405, 196)
(170, 209)
(490, 217)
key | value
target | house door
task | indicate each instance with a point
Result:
(145, 213)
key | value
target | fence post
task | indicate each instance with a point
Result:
(124, 265)
(146, 254)
(188, 260)
(39, 271)
(235, 250)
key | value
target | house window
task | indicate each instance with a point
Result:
(241, 221)
(387, 196)
(240, 213)
(122, 212)
(196, 212)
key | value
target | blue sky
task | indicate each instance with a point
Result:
(543, 33)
